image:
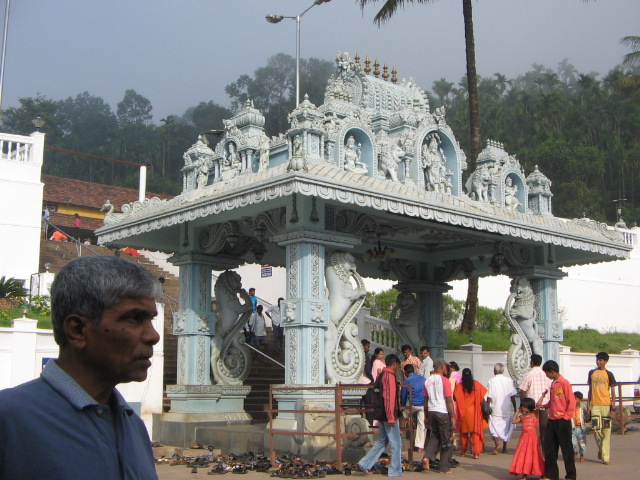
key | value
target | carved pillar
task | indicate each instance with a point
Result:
(194, 323)
(545, 287)
(305, 319)
(429, 296)
(306, 312)
(543, 284)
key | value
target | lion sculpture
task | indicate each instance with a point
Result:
(230, 358)
(404, 320)
(344, 356)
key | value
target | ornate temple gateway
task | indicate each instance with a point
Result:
(368, 184)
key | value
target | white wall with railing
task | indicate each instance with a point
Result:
(603, 296)
(24, 350)
(20, 203)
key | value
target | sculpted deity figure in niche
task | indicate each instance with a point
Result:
(511, 201)
(352, 161)
(233, 159)
(203, 174)
(520, 309)
(264, 153)
(299, 156)
(435, 177)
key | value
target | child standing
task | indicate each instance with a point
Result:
(601, 398)
(579, 434)
(527, 460)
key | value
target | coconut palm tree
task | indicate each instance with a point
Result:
(631, 60)
(11, 288)
(475, 140)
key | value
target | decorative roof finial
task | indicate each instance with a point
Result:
(394, 75)
(357, 59)
(367, 65)
(385, 73)
(376, 68)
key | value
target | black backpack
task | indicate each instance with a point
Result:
(379, 412)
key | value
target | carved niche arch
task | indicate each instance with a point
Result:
(454, 160)
(364, 137)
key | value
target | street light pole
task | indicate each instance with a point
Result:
(273, 18)
(4, 51)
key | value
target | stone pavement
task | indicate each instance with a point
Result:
(625, 465)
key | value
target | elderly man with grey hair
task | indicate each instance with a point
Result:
(102, 310)
(501, 394)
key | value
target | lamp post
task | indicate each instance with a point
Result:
(4, 50)
(273, 18)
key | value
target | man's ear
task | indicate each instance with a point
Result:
(75, 329)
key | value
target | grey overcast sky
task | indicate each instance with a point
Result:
(178, 53)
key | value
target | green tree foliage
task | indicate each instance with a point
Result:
(582, 132)
(207, 116)
(381, 303)
(272, 88)
(134, 109)
(12, 288)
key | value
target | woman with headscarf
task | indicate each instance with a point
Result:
(469, 394)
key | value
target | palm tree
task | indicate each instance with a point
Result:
(631, 60)
(11, 288)
(475, 140)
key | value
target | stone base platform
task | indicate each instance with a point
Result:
(183, 430)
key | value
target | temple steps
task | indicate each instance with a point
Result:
(263, 374)
(58, 254)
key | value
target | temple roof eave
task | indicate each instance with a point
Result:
(346, 188)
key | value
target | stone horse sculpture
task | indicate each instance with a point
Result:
(230, 357)
(344, 356)
(404, 320)
(521, 315)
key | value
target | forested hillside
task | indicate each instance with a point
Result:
(582, 129)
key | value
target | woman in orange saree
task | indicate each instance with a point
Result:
(468, 394)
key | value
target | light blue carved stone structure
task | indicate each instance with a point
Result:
(368, 184)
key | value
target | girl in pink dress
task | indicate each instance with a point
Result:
(528, 457)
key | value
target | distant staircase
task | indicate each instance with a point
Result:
(58, 254)
(263, 374)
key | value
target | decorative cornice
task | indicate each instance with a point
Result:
(334, 239)
(329, 183)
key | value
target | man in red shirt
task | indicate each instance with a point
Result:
(389, 426)
(561, 405)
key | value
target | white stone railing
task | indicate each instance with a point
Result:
(21, 148)
(377, 331)
(630, 236)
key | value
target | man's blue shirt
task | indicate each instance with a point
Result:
(417, 390)
(51, 428)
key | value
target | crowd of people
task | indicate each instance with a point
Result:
(452, 411)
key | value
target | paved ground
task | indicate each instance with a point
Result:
(625, 465)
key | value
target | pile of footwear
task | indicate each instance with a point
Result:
(287, 465)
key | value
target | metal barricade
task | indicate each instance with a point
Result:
(340, 409)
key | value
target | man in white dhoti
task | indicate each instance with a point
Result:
(501, 395)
